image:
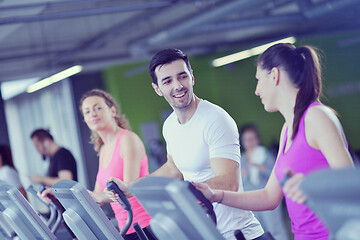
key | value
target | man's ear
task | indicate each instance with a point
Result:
(275, 75)
(157, 90)
(46, 143)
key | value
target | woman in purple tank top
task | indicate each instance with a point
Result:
(289, 81)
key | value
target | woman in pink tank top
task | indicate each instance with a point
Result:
(121, 154)
(289, 81)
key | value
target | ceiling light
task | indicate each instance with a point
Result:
(54, 78)
(248, 53)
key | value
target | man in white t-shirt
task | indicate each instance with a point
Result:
(202, 140)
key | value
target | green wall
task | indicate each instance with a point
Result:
(232, 87)
(341, 58)
(134, 94)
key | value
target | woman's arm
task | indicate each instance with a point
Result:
(267, 198)
(264, 199)
(323, 132)
(132, 151)
(98, 195)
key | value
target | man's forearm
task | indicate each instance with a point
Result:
(163, 171)
(223, 182)
(167, 171)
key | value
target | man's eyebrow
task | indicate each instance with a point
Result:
(165, 78)
(168, 77)
(181, 73)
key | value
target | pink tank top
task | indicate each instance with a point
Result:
(302, 158)
(116, 169)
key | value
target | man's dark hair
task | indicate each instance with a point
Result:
(41, 134)
(164, 57)
(248, 127)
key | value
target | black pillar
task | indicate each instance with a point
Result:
(4, 135)
(80, 84)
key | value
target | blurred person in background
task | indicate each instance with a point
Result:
(8, 172)
(62, 163)
(256, 166)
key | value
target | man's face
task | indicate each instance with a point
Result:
(175, 84)
(41, 146)
(249, 140)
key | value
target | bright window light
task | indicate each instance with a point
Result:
(10, 89)
(54, 78)
(248, 53)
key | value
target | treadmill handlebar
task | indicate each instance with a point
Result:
(54, 200)
(123, 200)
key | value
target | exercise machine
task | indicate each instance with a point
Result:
(334, 195)
(82, 214)
(55, 217)
(6, 231)
(175, 211)
(20, 215)
(125, 204)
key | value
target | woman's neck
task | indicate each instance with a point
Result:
(287, 105)
(107, 135)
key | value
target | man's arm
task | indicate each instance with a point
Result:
(226, 174)
(168, 169)
(49, 181)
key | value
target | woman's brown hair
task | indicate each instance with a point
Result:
(303, 66)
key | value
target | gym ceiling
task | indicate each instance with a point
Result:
(41, 37)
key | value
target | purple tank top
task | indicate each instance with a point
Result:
(302, 158)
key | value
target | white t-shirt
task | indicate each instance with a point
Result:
(10, 176)
(210, 133)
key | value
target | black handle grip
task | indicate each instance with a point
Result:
(32, 190)
(140, 232)
(54, 200)
(207, 205)
(284, 179)
(42, 188)
(124, 202)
